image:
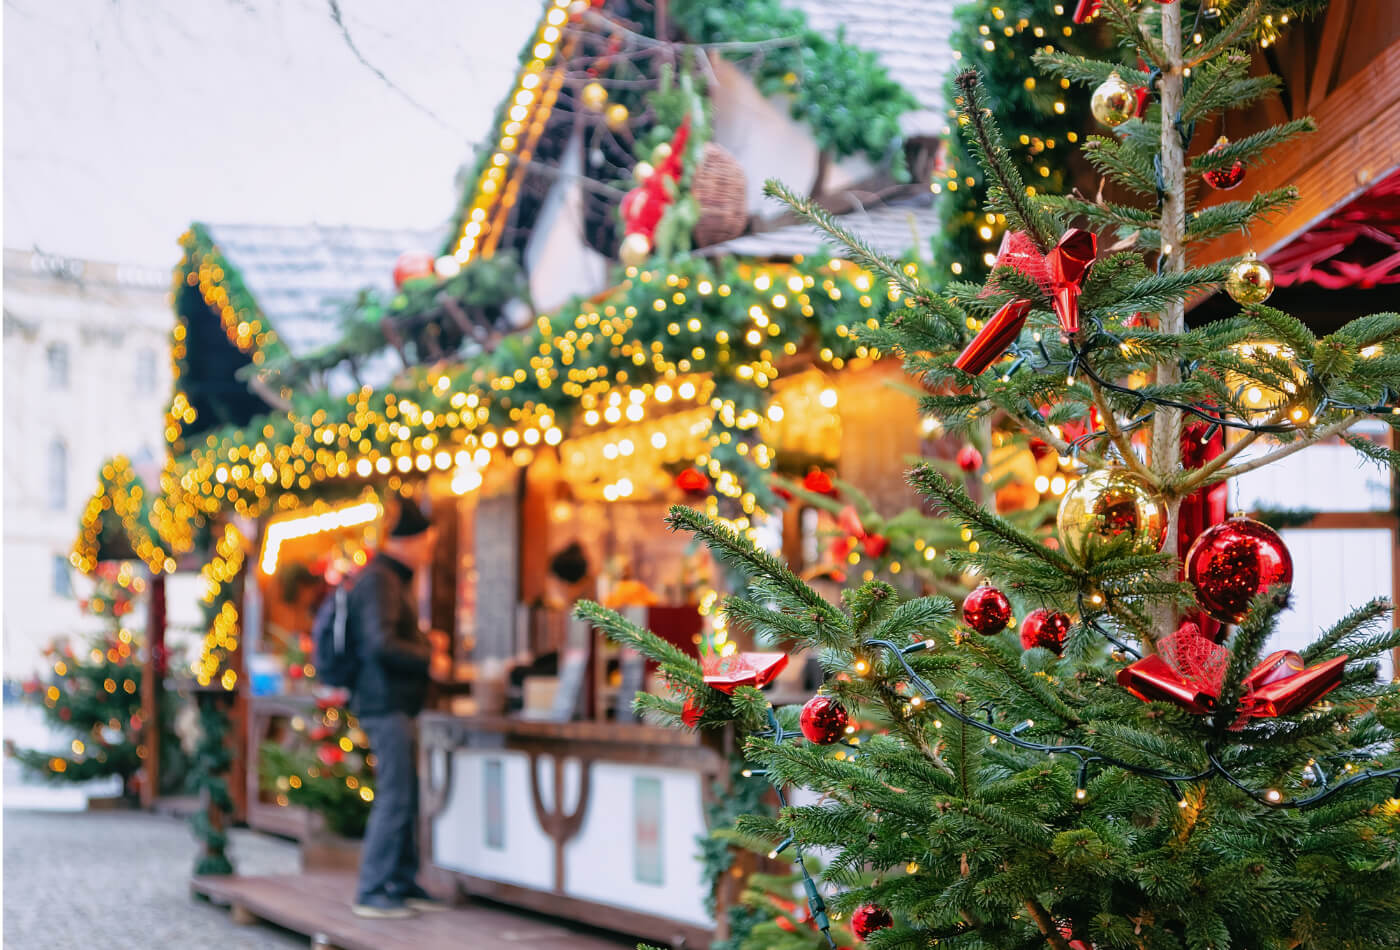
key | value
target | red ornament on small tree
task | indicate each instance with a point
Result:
(969, 459)
(413, 265)
(818, 482)
(1223, 179)
(691, 712)
(987, 610)
(824, 719)
(867, 919)
(1046, 629)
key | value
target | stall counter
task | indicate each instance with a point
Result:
(597, 821)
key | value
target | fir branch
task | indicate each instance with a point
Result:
(1229, 216)
(1359, 620)
(1114, 160)
(1249, 148)
(1008, 195)
(861, 252)
(1085, 71)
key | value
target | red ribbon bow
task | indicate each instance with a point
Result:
(1060, 273)
(726, 673)
(1189, 669)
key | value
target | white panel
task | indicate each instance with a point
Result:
(598, 862)
(1328, 477)
(1333, 571)
(459, 832)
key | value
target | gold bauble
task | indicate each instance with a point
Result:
(1110, 513)
(1113, 102)
(595, 96)
(617, 116)
(634, 250)
(642, 171)
(1250, 281)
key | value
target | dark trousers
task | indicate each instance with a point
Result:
(389, 856)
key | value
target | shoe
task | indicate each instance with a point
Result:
(382, 907)
(420, 900)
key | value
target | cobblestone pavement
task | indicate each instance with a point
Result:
(120, 881)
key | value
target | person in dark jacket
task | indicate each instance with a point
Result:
(390, 689)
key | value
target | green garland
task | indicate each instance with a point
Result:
(692, 316)
(840, 91)
(212, 762)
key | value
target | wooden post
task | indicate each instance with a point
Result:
(153, 690)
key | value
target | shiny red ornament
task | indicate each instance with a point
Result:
(867, 919)
(1084, 11)
(1223, 179)
(1144, 97)
(875, 545)
(819, 482)
(692, 481)
(413, 265)
(330, 754)
(1046, 629)
(969, 459)
(824, 720)
(986, 610)
(691, 712)
(1232, 562)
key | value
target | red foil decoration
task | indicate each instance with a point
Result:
(818, 482)
(691, 712)
(1084, 11)
(1232, 562)
(1190, 669)
(1018, 252)
(726, 673)
(692, 481)
(993, 339)
(849, 521)
(1144, 96)
(1068, 264)
(875, 544)
(1201, 509)
(823, 720)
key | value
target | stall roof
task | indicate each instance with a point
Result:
(298, 273)
(909, 37)
(893, 229)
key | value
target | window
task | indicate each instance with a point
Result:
(145, 371)
(62, 580)
(58, 475)
(58, 365)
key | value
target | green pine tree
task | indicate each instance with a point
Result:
(997, 797)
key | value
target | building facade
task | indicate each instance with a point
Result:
(87, 376)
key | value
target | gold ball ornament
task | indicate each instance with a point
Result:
(634, 250)
(1250, 281)
(617, 116)
(1113, 102)
(642, 171)
(1110, 513)
(594, 96)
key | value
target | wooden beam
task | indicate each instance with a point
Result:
(1357, 144)
(1334, 31)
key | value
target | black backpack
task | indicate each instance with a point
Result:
(337, 655)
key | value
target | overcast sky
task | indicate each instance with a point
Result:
(127, 119)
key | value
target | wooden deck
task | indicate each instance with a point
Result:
(317, 904)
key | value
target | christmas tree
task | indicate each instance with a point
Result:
(1128, 765)
(325, 767)
(94, 692)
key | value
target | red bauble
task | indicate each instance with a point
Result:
(1234, 560)
(818, 482)
(875, 544)
(969, 459)
(413, 265)
(824, 720)
(691, 712)
(987, 610)
(1045, 628)
(867, 919)
(330, 754)
(692, 481)
(1223, 179)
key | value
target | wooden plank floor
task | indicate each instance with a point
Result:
(317, 904)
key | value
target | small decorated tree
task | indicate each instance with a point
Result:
(326, 768)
